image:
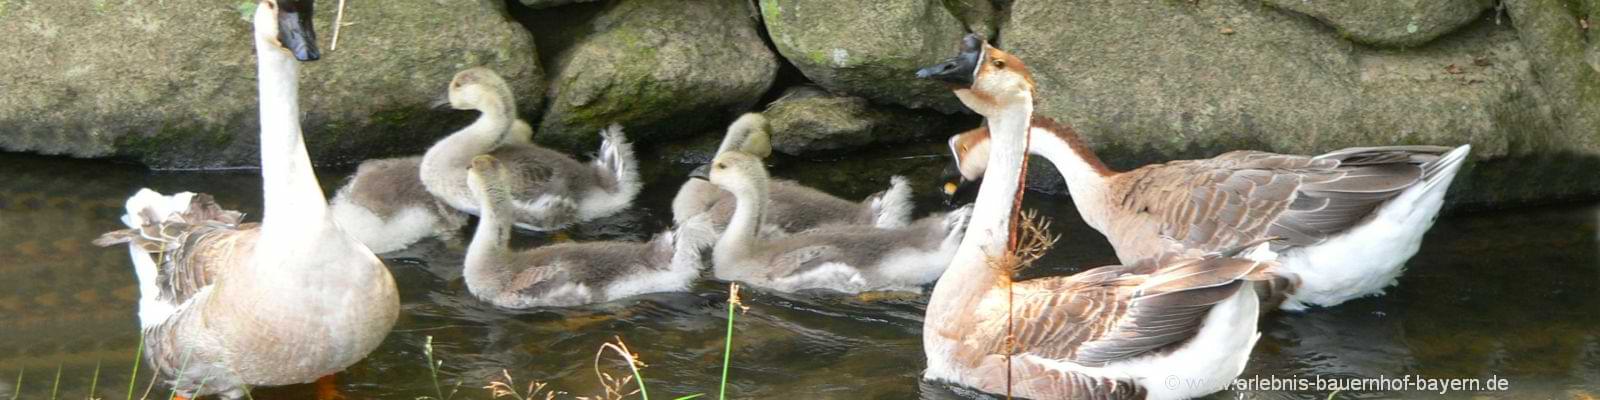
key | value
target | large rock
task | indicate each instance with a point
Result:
(661, 68)
(868, 49)
(173, 83)
(1230, 75)
(809, 120)
(1392, 23)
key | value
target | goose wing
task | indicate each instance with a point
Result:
(1244, 195)
(533, 171)
(194, 247)
(1119, 312)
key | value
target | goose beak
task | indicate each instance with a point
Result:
(440, 103)
(702, 173)
(961, 69)
(958, 191)
(295, 29)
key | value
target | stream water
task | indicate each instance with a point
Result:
(1509, 294)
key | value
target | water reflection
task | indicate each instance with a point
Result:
(1512, 294)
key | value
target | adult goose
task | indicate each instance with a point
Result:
(1348, 219)
(550, 189)
(792, 207)
(566, 274)
(226, 306)
(386, 207)
(843, 258)
(1114, 332)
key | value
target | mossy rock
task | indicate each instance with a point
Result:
(1229, 75)
(1390, 23)
(811, 121)
(660, 68)
(868, 49)
(176, 88)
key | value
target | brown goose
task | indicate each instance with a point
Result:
(1114, 332)
(793, 207)
(225, 306)
(1348, 220)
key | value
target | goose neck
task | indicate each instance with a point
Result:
(750, 206)
(293, 198)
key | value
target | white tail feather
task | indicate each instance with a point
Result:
(157, 204)
(894, 207)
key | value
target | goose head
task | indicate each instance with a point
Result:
(969, 153)
(985, 78)
(751, 134)
(474, 88)
(286, 24)
(486, 177)
(735, 172)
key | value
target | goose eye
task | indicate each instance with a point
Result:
(271, 5)
(999, 63)
(721, 166)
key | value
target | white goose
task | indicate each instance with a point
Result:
(792, 207)
(549, 189)
(1348, 220)
(1112, 332)
(844, 258)
(225, 306)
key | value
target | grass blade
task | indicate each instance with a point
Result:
(727, 345)
(57, 384)
(133, 378)
(433, 368)
(17, 390)
(95, 382)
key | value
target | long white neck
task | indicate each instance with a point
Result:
(294, 200)
(970, 276)
(750, 206)
(483, 269)
(1084, 176)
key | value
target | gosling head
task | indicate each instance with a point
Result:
(286, 24)
(751, 134)
(486, 177)
(986, 79)
(472, 88)
(969, 157)
(735, 172)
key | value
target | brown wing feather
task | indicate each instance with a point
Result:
(193, 248)
(1117, 312)
(1242, 196)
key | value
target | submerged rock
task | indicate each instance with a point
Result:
(867, 49)
(809, 120)
(172, 83)
(661, 68)
(1390, 23)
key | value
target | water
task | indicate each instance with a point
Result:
(1511, 294)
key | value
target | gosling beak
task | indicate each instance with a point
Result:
(958, 191)
(958, 70)
(295, 29)
(702, 173)
(441, 102)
